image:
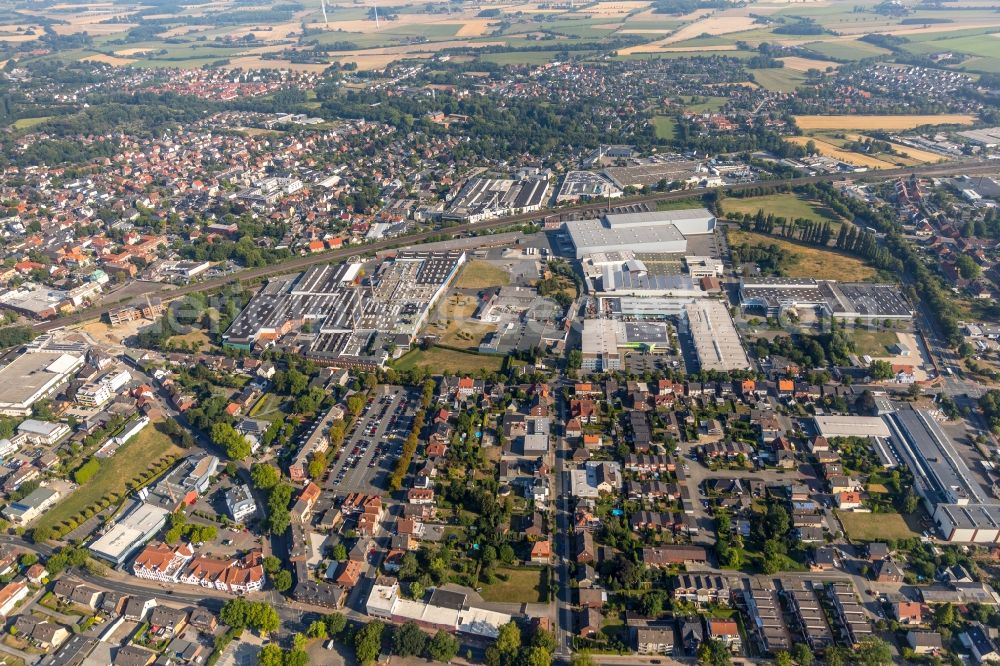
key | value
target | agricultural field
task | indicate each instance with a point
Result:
(811, 261)
(829, 149)
(789, 206)
(877, 526)
(131, 460)
(862, 122)
(783, 79)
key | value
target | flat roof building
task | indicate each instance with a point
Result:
(716, 342)
(772, 296)
(657, 232)
(32, 377)
(600, 346)
(137, 527)
(851, 426)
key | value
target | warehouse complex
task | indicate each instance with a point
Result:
(773, 296)
(33, 376)
(656, 232)
(715, 339)
(351, 318)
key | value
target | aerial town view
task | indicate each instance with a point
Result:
(500, 333)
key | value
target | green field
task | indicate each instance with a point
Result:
(438, 360)
(788, 206)
(850, 50)
(521, 57)
(778, 79)
(873, 343)
(665, 126)
(28, 123)
(704, 104)
(877, 526)
(521, 586)
(481, 275)
(131, 460)
(812, 262)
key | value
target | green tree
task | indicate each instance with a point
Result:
(538, 656)
(409, 640)
(272, 564)
(265, 476)
(317, 629)
(443, 647)
(582, 659)
(335, 623)
(271, 655)
(873, 651)
(368, 642)
(282, 580)
(802, 655)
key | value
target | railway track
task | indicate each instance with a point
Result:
(579, 211)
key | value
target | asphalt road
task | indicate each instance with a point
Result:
(170, 292)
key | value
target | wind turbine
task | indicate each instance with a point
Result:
(375, 7)
(325, 20)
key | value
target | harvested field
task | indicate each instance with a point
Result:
(713, 25)
(830, 150)
(907, 151)
(109, 60)
(797, 64)
(602, 9)
(862, 122)
(474, 28)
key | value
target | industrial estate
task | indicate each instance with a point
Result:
(516, 334)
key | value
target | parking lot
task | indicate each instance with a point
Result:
(373, 444)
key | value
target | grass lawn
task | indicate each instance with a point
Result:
(131, 460)
(877, 526)
(460, 333)
(439, 360)
(522, 585)
(267, 408)
(704, 104)
(28, 123)
(778, 80)
(812, 261)
(788, 206)
(665, 126)
(874, 343)
(480, 275)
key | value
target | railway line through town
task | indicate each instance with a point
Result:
(566, 213)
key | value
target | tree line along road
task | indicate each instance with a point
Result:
(170, 292)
